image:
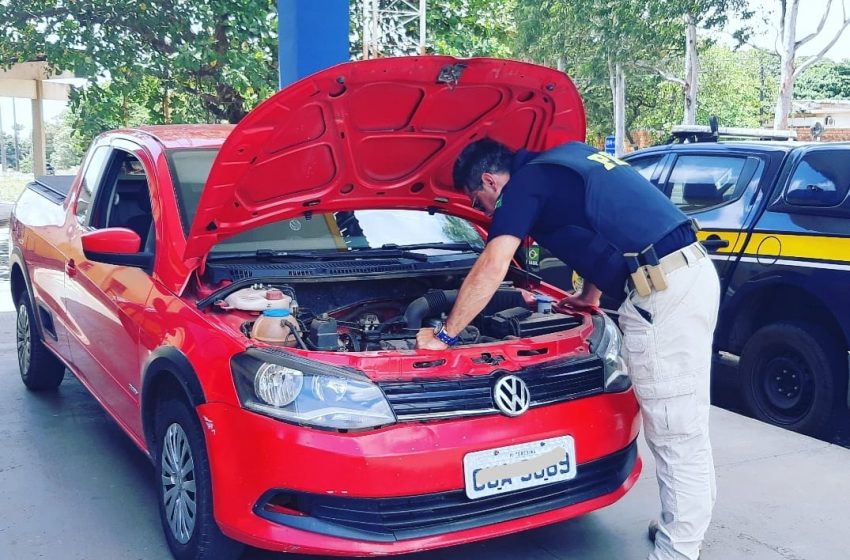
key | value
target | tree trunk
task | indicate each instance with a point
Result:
(166, 106)
(691, 73)
(617, 78)
(787, 59)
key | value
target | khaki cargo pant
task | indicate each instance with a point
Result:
(669, 360)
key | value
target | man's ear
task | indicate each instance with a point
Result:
(488, 180)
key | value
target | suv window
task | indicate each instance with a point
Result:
(646, 165)
(703, 181)
(822, 178)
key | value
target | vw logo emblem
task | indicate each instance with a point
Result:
(511, 395)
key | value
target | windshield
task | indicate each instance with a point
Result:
(360, 229)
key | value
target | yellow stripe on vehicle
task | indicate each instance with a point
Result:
(814, 247)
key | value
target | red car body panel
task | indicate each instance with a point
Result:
(391, 462)
(111, 322)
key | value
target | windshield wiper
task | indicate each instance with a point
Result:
(460, 246)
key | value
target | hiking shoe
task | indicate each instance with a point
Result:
(652, 530)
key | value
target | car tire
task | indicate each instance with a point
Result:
(40, 369)
(180, 448)
(791, 376)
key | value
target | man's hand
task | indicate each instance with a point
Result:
(576, 301)
(425, 340)
(587, 299)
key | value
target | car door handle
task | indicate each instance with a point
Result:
(71, 268)
(713, 243)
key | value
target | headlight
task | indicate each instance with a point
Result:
(607, 343)
(297, 390)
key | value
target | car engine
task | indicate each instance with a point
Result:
(377, 319)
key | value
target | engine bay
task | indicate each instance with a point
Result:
(380, 314)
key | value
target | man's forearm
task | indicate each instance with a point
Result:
(481, 283)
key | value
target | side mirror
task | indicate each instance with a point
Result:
(111, 241)
(813, 195)
(118, 246)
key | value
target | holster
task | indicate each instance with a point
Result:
(638, 274)
(645, 271)
(654, 270)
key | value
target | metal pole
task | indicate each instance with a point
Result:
(312, 36)
(422, 8)
(39, 150)
(367, 38)
(2, 144)
(376, 29)
(15, 136)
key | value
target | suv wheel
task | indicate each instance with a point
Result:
(40, 369)
(185, 489)
(790, 376)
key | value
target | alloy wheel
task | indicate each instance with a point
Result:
(23, 339)
(178, 483)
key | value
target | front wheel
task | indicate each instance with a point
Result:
(40, 369)
(790, 376)
(185, 487)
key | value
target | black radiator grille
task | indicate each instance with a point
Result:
(550, 382)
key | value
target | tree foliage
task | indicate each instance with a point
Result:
(453, 27)
(62, 150)
(472, 27)
(791, 67)
(824, 80)
(696, 14)
(180, 59)
(738, 86)
(589, 39)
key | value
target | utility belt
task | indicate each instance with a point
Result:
(648, 272)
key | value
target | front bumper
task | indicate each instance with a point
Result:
(402, 469)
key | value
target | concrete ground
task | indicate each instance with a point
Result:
(73, 487)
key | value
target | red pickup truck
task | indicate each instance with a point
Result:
(244, 303)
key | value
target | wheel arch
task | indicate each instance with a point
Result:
(19, 282)
(20, 279)
(753, 310)
(783, 302)
(167, 372)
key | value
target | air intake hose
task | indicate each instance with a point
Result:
(432, 303)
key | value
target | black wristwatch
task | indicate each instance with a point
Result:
(444, 337)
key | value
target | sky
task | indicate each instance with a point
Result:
(766, 26)
(765, 36)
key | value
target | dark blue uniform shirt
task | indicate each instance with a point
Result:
(544, 201)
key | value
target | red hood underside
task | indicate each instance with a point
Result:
(381, 133)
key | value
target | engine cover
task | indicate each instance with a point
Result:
(522, 322)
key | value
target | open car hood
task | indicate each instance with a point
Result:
(380, 133)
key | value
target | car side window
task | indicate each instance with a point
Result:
(91, 181)
(703, 181)
(124, 197)
(646, 166)
(822, 178)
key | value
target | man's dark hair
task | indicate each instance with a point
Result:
(482, 156)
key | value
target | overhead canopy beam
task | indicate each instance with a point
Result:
(30, 80)
(313, 35)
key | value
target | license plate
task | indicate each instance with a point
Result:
(515, 467)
